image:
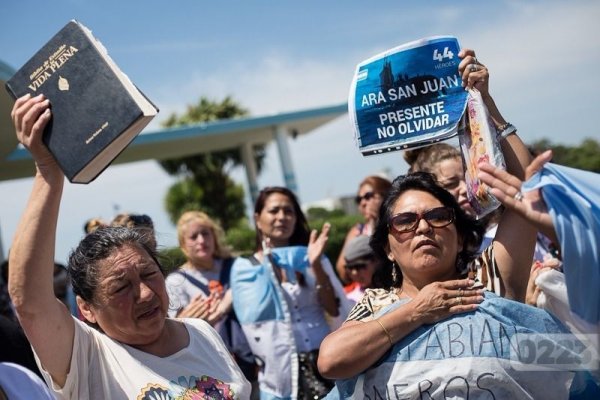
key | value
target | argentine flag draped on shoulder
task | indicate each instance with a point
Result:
(503, 350)
(263, 313)
(573, 200)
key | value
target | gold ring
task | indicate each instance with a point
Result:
(459, 300)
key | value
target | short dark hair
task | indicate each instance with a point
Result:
(133, 221)
(467, 227)
(85, 261)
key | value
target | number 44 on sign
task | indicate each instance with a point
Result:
(440, 57)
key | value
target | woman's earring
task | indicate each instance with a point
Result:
(394, 273)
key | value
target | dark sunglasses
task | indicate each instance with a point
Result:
(367, 196)
(438, 217)
(357, 265)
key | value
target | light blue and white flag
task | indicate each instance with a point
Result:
(573, 200)
(503, 350)
(260, 305)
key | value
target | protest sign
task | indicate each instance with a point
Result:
(409, 96)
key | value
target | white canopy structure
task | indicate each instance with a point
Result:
(240, 133)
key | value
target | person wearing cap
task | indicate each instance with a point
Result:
(371, 192)
(360, 267)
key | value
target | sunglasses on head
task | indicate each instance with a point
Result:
(438, 217)
(367, 196)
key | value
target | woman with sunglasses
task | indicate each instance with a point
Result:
(506, 231)
(371, 192)
(430, 328)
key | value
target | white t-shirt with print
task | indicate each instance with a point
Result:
(102, 368)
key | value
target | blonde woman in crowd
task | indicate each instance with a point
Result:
(200, 287)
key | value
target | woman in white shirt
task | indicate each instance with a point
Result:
(133, 350)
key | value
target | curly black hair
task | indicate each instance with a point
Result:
(85, 261)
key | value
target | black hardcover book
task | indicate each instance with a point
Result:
(96, 110)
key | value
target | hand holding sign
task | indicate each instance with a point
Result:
(409, 96)
(474, 74)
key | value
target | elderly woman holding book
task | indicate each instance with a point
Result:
(132, 349)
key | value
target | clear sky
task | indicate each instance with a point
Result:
(275, 56)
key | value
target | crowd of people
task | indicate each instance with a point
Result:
(425, 299)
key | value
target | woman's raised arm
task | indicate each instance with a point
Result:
(515, 238)
(45, 320)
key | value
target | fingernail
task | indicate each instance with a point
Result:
(480, 299)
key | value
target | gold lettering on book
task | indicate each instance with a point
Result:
(93, 136)
(51, 65)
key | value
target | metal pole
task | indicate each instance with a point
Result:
(286, 161)
(250, 166)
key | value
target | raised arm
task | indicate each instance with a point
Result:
(515, 239)
(316, 247)
(46, 321)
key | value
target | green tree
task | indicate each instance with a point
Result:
(204, 182)
(586, 156)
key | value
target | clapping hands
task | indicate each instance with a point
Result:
(204, 307)
(317, 242)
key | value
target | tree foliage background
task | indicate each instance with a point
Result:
(585, 156)
(204, 183)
